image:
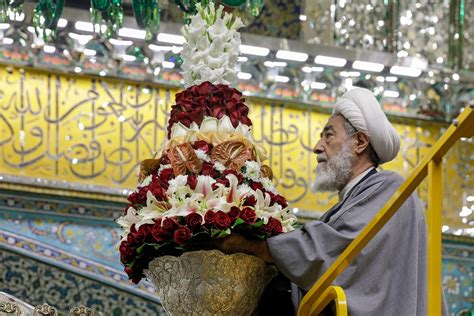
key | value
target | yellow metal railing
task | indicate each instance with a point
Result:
(322, 292)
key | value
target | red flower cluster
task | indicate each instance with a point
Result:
(211, 100)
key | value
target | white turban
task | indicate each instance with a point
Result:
(360, 107)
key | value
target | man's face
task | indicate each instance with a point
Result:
(335, 156)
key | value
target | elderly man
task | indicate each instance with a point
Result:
(389, 276)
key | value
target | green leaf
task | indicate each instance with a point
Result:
(238, 222)
(224, 233)
(215, 232)
(257, 224)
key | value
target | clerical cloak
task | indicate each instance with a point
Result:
(389, 276)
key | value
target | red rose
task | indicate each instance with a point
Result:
(143, 234)
(256, 186)
(275, 198)
(233, 213)
(182, 235)
(217, 113)
(204, 88)
(138, 197)
(250, 201)
(202, 145)
(275, 225)
(157, 231)
(128, 271)
(221, 220)
(197, 101)
(248, 215)
(192, 181)
(126, 252)
(169, 224)
(193, 221)
(266, 229)
(209, 217)
(208, 170)
(165, 176)
(156, 189)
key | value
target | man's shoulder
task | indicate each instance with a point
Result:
(370, 195)
(385, 176)
(382, 182)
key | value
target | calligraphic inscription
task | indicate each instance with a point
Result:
(91, 131)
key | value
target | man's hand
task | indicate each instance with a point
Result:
(148, 166)
(236, 243)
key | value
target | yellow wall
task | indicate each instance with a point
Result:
(95, 131)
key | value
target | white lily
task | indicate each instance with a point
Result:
(154, 209)
(204, 185)
(233, 196)
(128, 220)
(186, 206)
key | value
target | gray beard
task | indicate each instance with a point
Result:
(334, 174)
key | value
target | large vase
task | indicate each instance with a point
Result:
(209, 282)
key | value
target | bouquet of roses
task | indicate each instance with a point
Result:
(207, 183)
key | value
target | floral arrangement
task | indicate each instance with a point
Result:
(206, 99)
(208, 181)
(212, 46)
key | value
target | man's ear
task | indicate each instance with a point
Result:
(361, 142)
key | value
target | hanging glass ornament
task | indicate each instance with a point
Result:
(255, 7)
(3, 11)
(234, 3)
(187, 6)
(456, 34)
(136, 52)
(10, 6)
(46, 16)
(147, 15)
(108, 11)
(114, 18)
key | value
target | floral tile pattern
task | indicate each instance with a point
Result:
(36, 283)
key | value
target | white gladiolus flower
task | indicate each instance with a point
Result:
(212, 46)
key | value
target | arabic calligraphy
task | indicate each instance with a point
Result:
(86, 130)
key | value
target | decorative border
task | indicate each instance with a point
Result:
(76, 264)
(63, 188)
(70, 206)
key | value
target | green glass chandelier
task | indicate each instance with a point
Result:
(110, 12)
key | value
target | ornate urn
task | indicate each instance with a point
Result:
(209, 282)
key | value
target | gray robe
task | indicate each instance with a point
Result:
(389, 276)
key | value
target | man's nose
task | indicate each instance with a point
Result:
(318, 149)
